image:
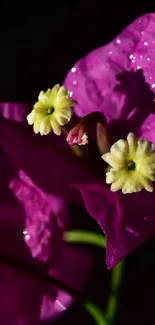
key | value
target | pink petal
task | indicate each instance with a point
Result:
(118, 79)
(24, 298)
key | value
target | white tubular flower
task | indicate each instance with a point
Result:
(132, 165)
(52, 111)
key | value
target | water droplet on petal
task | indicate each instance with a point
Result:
(71, 93)
(74, 82)
(131, 56)
(153, 86)
(27, 237)
(148, 59)
(138, 67)
(146, 43)
(118, 41)
(73, 69)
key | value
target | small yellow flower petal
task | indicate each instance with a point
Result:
(112, 160)
(54, 93)
(39, 108)
(114, 175)
(150, 159)
(63, 116)
(132, 141)
(45, 126)
(55, 126)
(64, 103)
(36, 126)
(116, 186)
(147, 184)
(62, 92)
(131, 186)
(120, 149)
(44, 97)
(31, 117)
(132, 165)
(144, 147)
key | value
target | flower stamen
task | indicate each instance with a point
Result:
(50, 110)
(131, 165)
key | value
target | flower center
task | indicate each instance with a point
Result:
(50, 110)
(131, 165)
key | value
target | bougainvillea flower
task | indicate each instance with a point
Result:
(132, 165)
(118, 80)
(32, 222)
(52, 110)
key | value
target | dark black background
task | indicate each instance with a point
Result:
(38, 45)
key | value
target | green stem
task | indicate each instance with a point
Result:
(77, 151)
(113, 300)
(91, 238)
(85, 237)
(96, 313)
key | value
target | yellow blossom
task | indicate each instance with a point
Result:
(52, 111)
(132, 165)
